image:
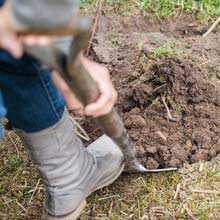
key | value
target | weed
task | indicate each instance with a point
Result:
(140, 45)
(162, 51)
(13, 162)
(202, 216)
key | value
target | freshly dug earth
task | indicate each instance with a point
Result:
(191, 133)
(169, 95)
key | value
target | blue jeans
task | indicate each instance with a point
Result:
(28, 97)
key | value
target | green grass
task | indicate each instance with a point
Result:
(201, 8)
(204, 10)
(131, 197)
(13, 162)
(162, 51)
(153, 196)
(19, 193)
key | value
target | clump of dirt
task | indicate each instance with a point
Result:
(170, 104)
(181, 123)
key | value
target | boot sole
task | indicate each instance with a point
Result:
(74, 215)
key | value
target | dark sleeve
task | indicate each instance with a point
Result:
(44, 13)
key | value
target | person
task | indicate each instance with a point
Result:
(33, 99)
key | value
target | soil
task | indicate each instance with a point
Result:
(170, 103)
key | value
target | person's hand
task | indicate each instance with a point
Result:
(108, 96)
(9, 40)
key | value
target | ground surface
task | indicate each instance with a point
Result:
(157, 72)
(167, 77)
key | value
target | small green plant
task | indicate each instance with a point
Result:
(140, 45)
(162, 51)
(13, 162)
(202, 216)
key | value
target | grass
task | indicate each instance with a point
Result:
(178, 195)
(18, 178)
(204, 10)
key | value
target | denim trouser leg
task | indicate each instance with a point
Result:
(31, 100)
(36, 109)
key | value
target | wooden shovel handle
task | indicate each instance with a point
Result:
(79, 25)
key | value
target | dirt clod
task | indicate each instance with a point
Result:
(152, 163)
(178, 152)
(160, 138)
(200, 155)
(152, 150)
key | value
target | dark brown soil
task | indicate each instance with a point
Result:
(186, 83)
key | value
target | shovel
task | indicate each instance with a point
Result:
(83, 85)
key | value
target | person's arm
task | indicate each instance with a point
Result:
(44, 13)
(11, 22)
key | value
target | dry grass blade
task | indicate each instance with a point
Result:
(169, 116)
(108, 197)
(178, 187)
(216, 192)
(189, 212)
(35, 189)
(14, 144)
(84, 135)
(20, 205)
(212, 27)
(110, 209)
(95, 26)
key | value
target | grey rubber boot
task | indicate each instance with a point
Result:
(69, 171)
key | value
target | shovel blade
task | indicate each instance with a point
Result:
(134, 166)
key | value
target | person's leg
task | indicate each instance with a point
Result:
(36, 110)
(32, 101)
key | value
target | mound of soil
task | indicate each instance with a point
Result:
(179, 122)
(170, 104)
